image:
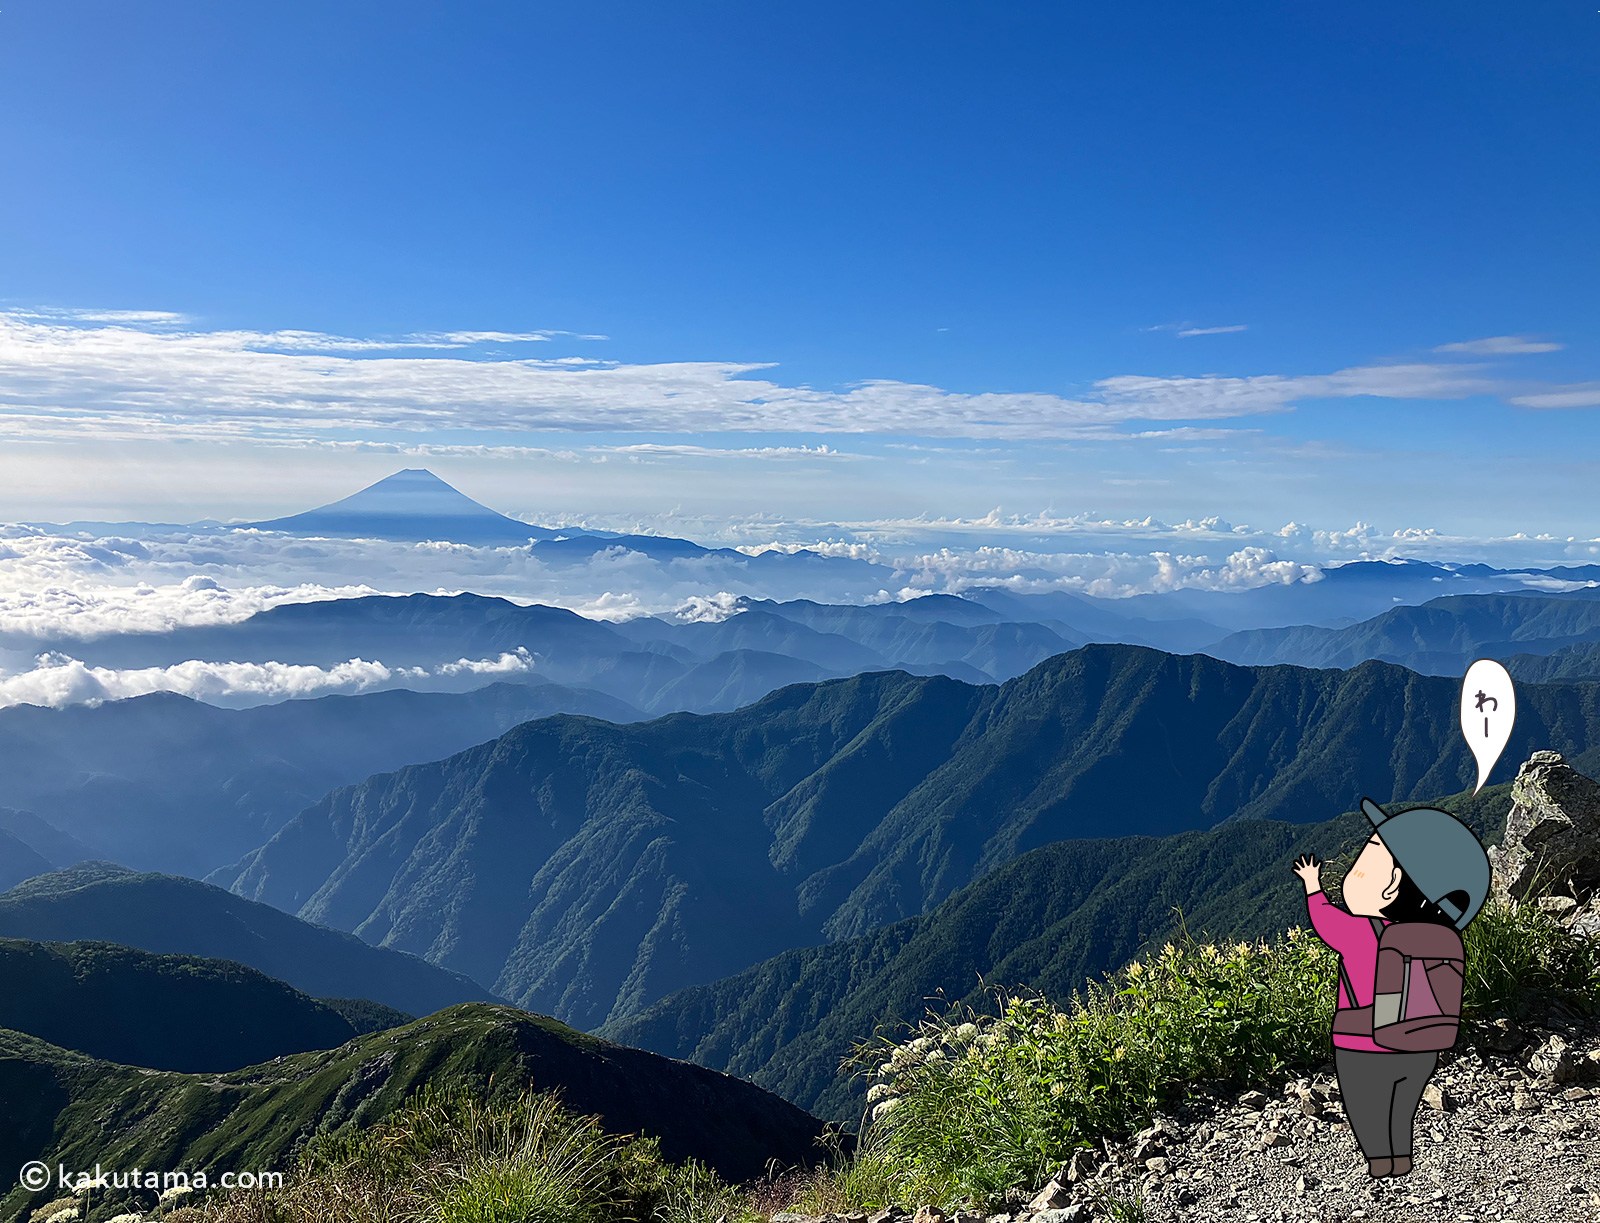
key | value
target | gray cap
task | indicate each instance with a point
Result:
(1438, 852)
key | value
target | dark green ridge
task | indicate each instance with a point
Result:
(168, 1012)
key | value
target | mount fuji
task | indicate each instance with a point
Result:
(413, 504)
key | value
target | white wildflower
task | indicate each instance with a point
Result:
(877, 1091)
(175, 1192)
(967, 1031)
(883, 1108)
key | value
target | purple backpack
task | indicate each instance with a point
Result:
(1416, 1004)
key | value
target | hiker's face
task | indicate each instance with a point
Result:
(1372, 881)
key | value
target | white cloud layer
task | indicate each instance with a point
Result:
(57, 680)
(135, 375)
(55, 588)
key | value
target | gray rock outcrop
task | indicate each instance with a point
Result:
(1551, 851)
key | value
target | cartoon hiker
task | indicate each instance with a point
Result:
(1419, 880)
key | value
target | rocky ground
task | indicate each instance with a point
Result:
(1509, 1131)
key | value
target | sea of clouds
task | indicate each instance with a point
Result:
(58, 586)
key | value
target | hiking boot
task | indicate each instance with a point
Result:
(1379, 1167)
(1402, 1165)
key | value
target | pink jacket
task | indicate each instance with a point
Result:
(1352, 937)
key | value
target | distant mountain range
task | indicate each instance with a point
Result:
(173, 916)
(65, 1107)
(164, 782)
(416, 506)
(1048, 920)
(1440, 637)
(587, 869)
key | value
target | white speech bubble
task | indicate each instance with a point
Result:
(1488, 710)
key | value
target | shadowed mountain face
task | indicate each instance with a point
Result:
(587, 869)
(69, 1108)
(168, 1012)
(165, 782)
(1569, 664)
(169, 915)
(1441, 637)
(1049, 920)
(19, 860)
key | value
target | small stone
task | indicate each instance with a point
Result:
(1436, 1098)
(1255, 1101)
(1146, 1146)
(1080, 1167)
(1078, 1212)
(929, 1214)
(1052, 1197)
(1523, 1102)
(1159, 1164)
(1576, 1093)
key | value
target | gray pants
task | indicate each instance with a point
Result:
(1381, 1092)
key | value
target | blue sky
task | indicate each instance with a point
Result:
(1154, 234)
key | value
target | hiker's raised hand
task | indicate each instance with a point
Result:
(1310, 872)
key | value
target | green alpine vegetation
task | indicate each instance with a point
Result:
(586, 869)
(448, 1157)
(165, 914)
(169, 1012)
(1048, 921)
(65, 1107)
(974, 1101)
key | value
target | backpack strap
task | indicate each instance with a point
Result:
(1377, 927)
(1349, 989)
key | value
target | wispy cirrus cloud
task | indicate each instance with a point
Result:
(1581, 395)
(62, 378)
(1500, 346)
(1185, 332)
